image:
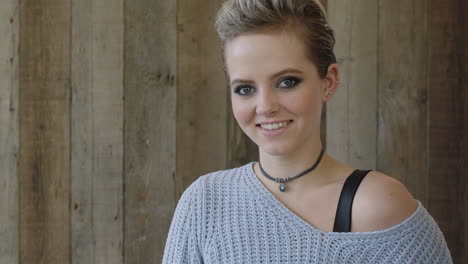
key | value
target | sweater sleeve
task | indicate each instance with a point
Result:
(183, 243)
(417, 239)
(428, 244)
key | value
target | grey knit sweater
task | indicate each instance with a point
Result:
(230, 217)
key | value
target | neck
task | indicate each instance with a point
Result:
(283, 166)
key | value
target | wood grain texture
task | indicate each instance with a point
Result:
(9, 29)
(463, 10)
(97, 132)
(352, 112)
(402, 93)
(44, 128)
(446, 122)
(150, 127)
(201, 93)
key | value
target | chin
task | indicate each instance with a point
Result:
(275, 149)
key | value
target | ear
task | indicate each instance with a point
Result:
(330, 82)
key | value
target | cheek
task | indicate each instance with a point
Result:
(305, 104)
(241, 111)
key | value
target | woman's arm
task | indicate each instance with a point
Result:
(381, 202)
(183, 241)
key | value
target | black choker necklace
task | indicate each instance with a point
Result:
(282, 181)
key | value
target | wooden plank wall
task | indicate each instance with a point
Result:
(97, 131)
(446, 106)
(351, 122)
(110, 109)
(402, 89)
(403, 97)
(150, 127)
(463, 22)
(9, 88)
(201, 93)
(44, 126)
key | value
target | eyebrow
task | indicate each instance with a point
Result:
(274, 76)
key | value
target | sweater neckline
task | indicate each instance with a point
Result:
(270, 200)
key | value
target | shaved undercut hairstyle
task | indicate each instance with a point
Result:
(306, 17)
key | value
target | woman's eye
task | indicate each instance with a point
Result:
(244, 90)
(288, 82)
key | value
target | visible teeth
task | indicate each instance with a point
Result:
(274, 125)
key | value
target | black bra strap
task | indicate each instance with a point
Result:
(345, 204)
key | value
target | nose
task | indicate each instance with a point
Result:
(267, 102)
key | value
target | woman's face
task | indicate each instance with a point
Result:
(276, 91)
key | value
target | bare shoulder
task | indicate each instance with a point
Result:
(381, 202)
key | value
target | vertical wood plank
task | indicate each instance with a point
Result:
(352, 113)
(463, 10)
(402, 93)
(97, 132)
(446, 122)
(9, 131)
(44, 127)
(150, 127)
(201, 93)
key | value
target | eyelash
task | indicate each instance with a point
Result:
(295, 81)
(289, 78)
(240, 87)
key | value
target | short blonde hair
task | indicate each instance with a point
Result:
(308, 16)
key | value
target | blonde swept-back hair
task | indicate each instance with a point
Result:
(305, 16)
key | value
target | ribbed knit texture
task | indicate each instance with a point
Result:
(230, 217)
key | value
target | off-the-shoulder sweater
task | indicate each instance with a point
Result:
(230, 217)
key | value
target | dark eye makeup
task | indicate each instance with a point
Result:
(288, 82)
(283, 83)
(244, 90)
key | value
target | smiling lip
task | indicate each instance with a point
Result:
(274, 132)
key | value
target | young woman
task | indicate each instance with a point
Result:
(296, 204)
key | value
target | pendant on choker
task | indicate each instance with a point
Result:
(282, 187)
(282, 181)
